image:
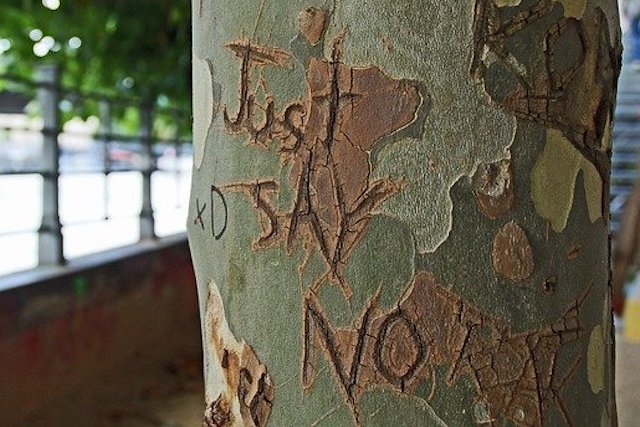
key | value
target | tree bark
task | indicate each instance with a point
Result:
(399, 211)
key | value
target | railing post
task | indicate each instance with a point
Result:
(178, 151)
(147, 222)
(50, 248)
(104, 107)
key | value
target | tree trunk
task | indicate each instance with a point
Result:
(399, 212)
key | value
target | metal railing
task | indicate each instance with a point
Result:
(626, 151)
(145, 153)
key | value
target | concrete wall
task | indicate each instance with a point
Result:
(58, 334)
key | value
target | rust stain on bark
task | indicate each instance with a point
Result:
(514, 374)
(511, 253)
(312, 23)
(493, 188)
(327, 138)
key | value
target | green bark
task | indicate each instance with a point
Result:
(399, 211)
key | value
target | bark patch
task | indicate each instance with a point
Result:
(511, 254)
(312, 23)
(493, 188)
(553, 182)
(205, 106)
(218, 414)
(244, 390)
(255, 390)
(596, 360)
(573, 252)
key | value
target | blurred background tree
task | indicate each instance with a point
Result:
(135, 48)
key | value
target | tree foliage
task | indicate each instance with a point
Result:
(117, 47)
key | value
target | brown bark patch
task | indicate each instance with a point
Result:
(257, 54)
(255, 390)
(247, 380)
(511, 253)
(493, 188)
(312, 23)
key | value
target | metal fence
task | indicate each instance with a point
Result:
(77, 179)
(39, 223)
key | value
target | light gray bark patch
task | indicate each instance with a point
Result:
(206, 103)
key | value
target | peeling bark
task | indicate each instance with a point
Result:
(246, 392)
(493, 188)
